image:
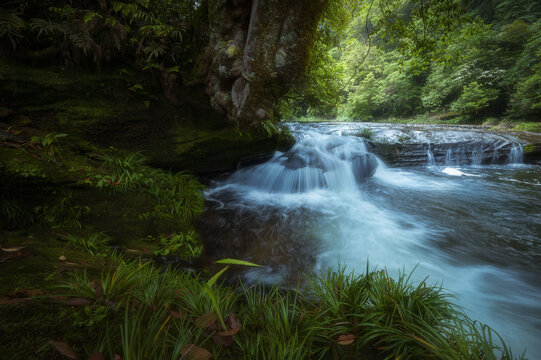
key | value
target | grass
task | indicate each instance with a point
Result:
(178, 195)
(93, 244)
(155, 314)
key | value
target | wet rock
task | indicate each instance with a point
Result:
(532, 153)
(452, 154)
(364, 166)
(298, 158)
(254, 160)
(261, 113)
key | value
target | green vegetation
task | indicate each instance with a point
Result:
(94, 244)
(153, 314)
(186, 245)
(103, 114)
(405, 58)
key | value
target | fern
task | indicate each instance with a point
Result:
(154, 49)
(49, 28)
(11, 27)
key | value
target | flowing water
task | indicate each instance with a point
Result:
(468, 216)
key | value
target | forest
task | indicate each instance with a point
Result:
(179, 175)
(470, 64)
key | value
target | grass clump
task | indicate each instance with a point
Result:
(178, 195)
(93, 244)
(159, 313)
(186, 245)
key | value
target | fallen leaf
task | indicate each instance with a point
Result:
(96, 355)
(222, 340)
(10, 301)
(18, 255)
(62, 258)
(25, 293)
(133, 251)
(234, 321)
(78, 302)
(229, 332)
(194, 352)
(178, 314)
(12, 249)
(347, 339)
(64, 349)
(205, 320)
(234, 326)
(98, 290)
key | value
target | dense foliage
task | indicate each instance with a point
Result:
(157, 36)
(144, 313)
(402, 58)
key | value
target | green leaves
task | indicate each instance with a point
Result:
(11, 27)
(237, 262)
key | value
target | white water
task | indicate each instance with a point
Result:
(474, 229)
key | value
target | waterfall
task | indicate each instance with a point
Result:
(430, 157)
(316, 161)
(516, 155)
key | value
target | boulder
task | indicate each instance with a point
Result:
(364, 166)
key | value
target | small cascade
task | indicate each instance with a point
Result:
(316, 161)
(449, 157)
(516, 155)
(430, 157)
(477, 156)
(457, 154)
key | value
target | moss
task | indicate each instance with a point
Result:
(27, 329)
(73, 113)
(207, 151)
(528, 126)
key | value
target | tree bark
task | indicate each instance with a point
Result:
(258, 48)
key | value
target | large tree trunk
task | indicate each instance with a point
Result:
(258, 48)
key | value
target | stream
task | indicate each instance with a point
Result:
(456, 204)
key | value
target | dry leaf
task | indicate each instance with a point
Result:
(234, 326)
(178, 314)
(347, 339)
(229, 332)
(24, 293)
(12, 249)
(18, 255)
(205, 320)
(64, 349)
(222, 340)
(62, 258)
(98, 290)
(96, 355)
(194, 352)
(78, 302)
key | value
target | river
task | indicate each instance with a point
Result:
(457, 204)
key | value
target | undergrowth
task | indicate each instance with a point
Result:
(178, 195)
(166, 313)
